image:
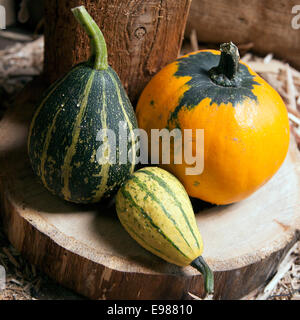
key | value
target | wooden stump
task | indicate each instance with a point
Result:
(142, 37)
(86, 249)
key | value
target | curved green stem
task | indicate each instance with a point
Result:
(226, 73)
(98, 45)
(208, 275)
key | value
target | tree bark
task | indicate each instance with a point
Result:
(142, 37)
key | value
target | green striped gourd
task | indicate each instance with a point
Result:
(62, 142)
(156, 211)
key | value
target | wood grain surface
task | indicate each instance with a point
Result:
(86, 249)
(266, 24)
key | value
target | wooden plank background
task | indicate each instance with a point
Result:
(267, 24)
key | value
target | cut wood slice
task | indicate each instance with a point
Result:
(86, 249)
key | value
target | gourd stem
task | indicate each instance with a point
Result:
(226, 73)
(202, 266)
(98, 45)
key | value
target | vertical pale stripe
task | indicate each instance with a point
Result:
(46, 145)
(104, 167)
(66, 167)
(127, 120)
(43, 103)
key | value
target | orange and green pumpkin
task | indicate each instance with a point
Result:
(245, 122)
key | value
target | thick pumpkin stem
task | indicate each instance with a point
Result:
(202, 266)
(98, 45)
(226, 73)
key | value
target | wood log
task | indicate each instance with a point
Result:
(85, 248)
(142, 37)
(266, 24)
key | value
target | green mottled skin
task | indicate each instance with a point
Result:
(57, 118)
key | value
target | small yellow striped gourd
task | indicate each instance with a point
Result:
(156, 211)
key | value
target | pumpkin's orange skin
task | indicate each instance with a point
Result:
(244, 145)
